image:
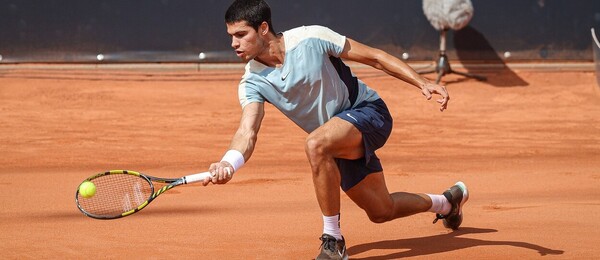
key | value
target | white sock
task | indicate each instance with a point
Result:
(439, 204)
(331, 226)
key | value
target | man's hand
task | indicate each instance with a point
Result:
(429, 88)
(221, 172)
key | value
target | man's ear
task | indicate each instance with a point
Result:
(263, 29)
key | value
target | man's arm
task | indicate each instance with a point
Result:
(393, 66)
(243, 142)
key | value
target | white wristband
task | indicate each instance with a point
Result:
(235, 158)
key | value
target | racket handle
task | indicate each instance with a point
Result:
(196, 177)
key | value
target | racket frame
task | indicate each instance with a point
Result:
(150, 179)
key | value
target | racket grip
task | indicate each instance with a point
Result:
(197, 177)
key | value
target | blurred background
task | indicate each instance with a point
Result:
(108, 31)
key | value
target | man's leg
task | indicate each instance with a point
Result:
(339, 138)
(335, 139)
(372, 195)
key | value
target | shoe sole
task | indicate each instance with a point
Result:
(465, 191)
(465, 197)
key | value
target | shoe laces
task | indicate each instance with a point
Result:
(328, 243)
(438, 217)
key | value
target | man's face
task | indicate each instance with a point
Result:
(244, 40)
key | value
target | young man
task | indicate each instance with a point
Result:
(301, 73)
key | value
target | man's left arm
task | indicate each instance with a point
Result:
(376, 58)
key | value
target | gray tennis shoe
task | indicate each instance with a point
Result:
(331, 248)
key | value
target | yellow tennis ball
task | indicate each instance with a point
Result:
(87, 189)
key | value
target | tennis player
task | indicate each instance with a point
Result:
(301, 73)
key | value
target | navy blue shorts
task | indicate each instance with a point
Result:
(374, 121)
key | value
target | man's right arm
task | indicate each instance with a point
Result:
(243, 142)
(247, 133)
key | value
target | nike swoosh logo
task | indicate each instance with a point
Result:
(342, 253)
(350, 116)
(285, 75)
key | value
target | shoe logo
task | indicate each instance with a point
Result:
(342, 252)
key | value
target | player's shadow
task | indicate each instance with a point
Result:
(422, 246)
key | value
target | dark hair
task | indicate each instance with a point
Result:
(254, 12)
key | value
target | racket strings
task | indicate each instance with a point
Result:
(116, 194)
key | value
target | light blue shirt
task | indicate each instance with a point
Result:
(308, 88)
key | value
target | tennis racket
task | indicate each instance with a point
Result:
(120, 193)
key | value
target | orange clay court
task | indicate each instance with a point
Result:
(526, 143)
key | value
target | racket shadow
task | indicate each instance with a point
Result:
(160, 211)
(55, 215)
(176, 210)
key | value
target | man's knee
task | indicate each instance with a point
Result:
(314, 146)
(380, 217)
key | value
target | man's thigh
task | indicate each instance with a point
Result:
(340, 138)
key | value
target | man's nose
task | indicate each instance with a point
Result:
(234, 43)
